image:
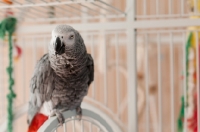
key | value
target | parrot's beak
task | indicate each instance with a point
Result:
(59, 46)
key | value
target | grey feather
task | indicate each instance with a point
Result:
(63, 79)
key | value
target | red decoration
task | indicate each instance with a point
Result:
(192, 122)
(19, 52)
(9, 13)
(37, 122)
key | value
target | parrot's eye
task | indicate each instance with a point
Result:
(71, 37)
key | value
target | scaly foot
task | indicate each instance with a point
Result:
(59, 116)
(79, 113)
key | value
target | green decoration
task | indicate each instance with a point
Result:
(181, 114)
(8, 25)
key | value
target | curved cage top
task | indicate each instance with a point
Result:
(61, 10)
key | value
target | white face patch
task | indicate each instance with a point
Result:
(67, 38)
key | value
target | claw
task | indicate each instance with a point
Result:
(59, 116)
(79, 113)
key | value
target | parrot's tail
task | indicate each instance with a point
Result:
(37, 121)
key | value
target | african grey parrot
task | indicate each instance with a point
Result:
(62, 76)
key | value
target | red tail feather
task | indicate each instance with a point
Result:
(37, 121)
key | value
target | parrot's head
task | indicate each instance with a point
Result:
(66, 38)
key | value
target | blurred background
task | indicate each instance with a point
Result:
(148, 48)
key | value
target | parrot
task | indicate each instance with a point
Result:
(61, 78)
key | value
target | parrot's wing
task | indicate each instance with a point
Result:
(91, 69)
(41, 86)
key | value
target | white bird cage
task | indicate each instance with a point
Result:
(138, 48)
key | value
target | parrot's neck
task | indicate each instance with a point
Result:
(67, 66)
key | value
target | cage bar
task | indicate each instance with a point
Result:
(82, 126)
(172, 81)
(44, 4)
(144, 7)
(147, 84)
(45, 45)
(34, 51)
(117, 70)
(184, 81)
(101, 7)
(36, 6)
(24, 71)
(170, 6)
(157, 7)
(105, 70)
(110, 6)
(73, 125)
(91, 9)
(64, 127)
(159, 82)
(90, 127)
(182, 7)
(66, 10)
